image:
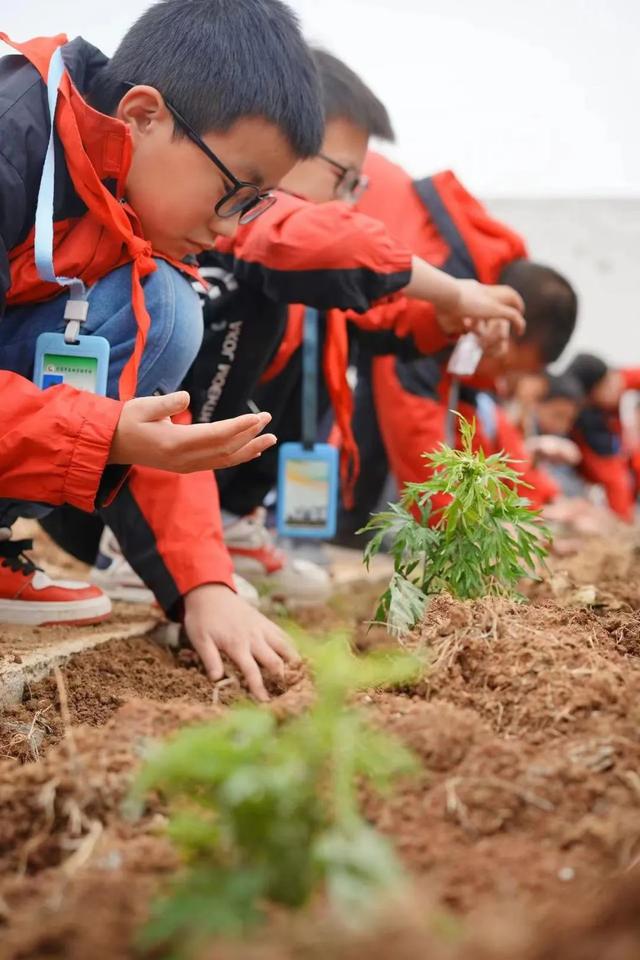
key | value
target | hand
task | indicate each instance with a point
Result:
(218, 621)
(556, 449)
(145, 435)
(491, 312)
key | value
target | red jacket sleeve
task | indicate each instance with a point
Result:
(54, 444)
(323, 255)
(403, 318)
(169, 528)
(631, 378)
(614, 475)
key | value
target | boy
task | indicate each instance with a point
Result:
(205, 105)
(609, 452)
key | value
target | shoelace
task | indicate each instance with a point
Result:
(12, 555)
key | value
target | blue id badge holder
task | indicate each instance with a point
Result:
(79, 361)
(308, 474)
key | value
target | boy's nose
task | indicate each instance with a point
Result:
(224, 227)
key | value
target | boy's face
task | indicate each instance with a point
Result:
(522, 357)
(557, 416)
(174, 187)
(320, 180)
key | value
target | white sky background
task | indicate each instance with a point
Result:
(521, 97)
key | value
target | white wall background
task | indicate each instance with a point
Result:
(523, 98)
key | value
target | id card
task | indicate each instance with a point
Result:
(83, 365)
(308, 481)
(466, 356)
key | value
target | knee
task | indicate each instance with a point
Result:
(176, 329)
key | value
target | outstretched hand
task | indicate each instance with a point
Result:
(145, 435)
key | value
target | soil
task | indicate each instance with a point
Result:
(521, 834)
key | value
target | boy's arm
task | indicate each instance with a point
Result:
(323, 255)
(328, 256)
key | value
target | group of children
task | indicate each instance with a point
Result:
(191, 199)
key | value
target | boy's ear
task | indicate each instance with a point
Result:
(142, 107)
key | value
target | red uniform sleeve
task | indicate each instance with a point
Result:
(170, 530)
(614, 475)
(403, 318)
(631, 378)
(54, 444)
(323, 255)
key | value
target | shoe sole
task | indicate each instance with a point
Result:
(33, 613)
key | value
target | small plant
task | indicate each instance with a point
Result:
(268, 812)
(482, 543)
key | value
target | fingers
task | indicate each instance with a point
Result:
(512, 307)
(280, 642)
(211, 659)
(251, 672)
(252, 450)
(240, 429)
(159, 408)
(268, 658)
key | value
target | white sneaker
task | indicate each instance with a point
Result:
(113, 574)
(255, 556)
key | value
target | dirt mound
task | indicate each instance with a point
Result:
(527, 727)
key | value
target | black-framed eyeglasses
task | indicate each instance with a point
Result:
(351, 184)
(243, 199)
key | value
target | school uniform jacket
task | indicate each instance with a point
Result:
(605, 461)
(449, 228)
(54, 445)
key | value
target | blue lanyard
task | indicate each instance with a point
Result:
(77, 306)
(310, 378)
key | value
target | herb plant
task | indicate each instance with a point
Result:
(268, 812)
(482, 543)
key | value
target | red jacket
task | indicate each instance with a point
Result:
(605, 461)
(54, 445)
(448, 227)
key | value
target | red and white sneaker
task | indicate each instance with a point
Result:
(28, 596)
(255, 556)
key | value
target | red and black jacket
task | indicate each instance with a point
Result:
(605, 460)
(54, 445)
(449, 228)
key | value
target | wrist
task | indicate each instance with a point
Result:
(203, 593)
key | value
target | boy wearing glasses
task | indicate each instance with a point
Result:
(204, 107)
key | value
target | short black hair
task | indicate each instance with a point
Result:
(347, 97)
(588, 369)
(564, 386)
(217, 61)
(551, 305)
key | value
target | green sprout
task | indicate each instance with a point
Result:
(481, 543)
(268, 812)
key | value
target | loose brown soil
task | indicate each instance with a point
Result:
(521, 835)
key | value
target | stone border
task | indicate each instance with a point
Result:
(38, 663)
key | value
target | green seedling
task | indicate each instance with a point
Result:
(268, 812)
(482, 543)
